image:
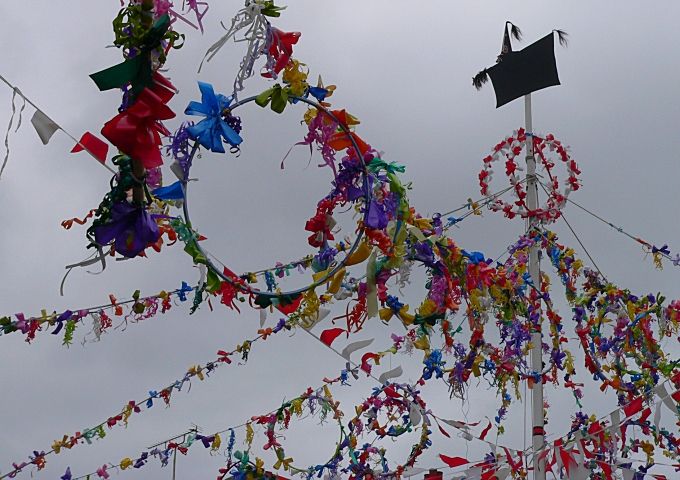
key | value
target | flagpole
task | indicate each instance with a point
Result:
(537, 418)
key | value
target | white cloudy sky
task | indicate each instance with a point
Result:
(404, 69)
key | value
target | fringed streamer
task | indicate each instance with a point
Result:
(255, 25)
(15, 91)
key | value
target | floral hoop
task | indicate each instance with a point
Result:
(512, 146)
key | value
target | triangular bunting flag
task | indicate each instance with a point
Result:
(94, 146)
(44, 126)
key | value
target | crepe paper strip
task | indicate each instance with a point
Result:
(67, 224)
(390, 374)
(328, 336)
(252, 22)
(482, 435)
(453, 462)
(137, 130)
(94, 146)
(192, 6)
(15, 92)
(354, 347)
(210, 131)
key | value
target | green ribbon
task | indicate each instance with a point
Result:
(263, 300)
(137, 70)
(6, 325)
(278, 97)
(378, 164)
(212, 282)
(430, 320)
(271, 10)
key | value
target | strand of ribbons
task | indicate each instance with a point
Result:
(657, 252)
(329, 336)
(121, 418)
(213, 441)
(139, 308)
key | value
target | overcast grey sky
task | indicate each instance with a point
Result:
(404, 68)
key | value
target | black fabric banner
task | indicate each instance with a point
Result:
(528, 70)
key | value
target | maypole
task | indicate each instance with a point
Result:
(537, 416)
(517, 74)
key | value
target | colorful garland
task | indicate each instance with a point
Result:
(512, 146)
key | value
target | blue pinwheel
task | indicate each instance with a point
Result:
(210, 131)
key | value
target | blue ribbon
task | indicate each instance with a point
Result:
(210, 131)
(170, 192)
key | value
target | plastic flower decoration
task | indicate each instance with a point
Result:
(218, 123)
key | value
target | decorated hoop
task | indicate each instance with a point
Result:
(512, 146)
(407, 405)
(366, 196)
(281, 419)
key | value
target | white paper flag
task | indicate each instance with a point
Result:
(44, 126)
(394, 373)
(353, 347)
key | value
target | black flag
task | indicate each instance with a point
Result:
(519, 73)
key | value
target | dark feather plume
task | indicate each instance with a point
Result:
(515, 31)
(562, 37)
(480, 79)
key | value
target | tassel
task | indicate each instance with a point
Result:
(562, 37)
(480, 79)
(515, 31)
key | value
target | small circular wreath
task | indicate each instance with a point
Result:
(281, 419)
(509, 148)
(408, 407)
(324, 210)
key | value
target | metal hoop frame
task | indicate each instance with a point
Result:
(367, 195)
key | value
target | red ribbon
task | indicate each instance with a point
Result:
(137, 130)
(281, 49)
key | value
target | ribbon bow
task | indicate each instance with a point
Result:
(210, 131)
(278, 97)
(131, 229)
(280, 50)
(137, 70)
(102, 473)
(282, 461)
(664, 250)
(136, 131)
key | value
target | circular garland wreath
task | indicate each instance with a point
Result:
(320, 225)
(398, 402)
(511, 147)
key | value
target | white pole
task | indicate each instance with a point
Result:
(537, 418)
